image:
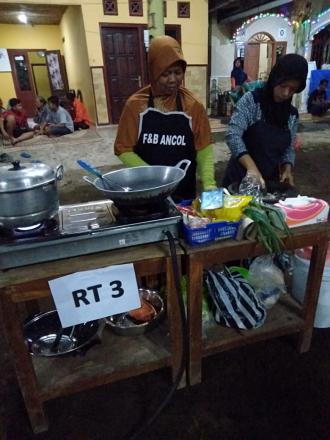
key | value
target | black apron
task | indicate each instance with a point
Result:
(266, 144)
(166, 139)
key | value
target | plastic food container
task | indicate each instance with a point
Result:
(211, 232)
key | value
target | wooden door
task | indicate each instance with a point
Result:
(124, 59)
(23, 79)
(251, 60)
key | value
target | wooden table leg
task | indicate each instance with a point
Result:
(194, 303)
(314, 281)
(22, 362)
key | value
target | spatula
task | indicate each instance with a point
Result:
(108, 183)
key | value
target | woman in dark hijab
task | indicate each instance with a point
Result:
(263, 127)
(237, 76)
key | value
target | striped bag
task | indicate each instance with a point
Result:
(234, 300)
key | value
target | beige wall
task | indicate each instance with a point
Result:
(76, 25)
(76, 57)
(194, 31)
(16, 36)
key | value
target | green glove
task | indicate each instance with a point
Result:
(205, 168)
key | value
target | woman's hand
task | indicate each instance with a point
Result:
(251, 168)
(287, 175)
(255, 172)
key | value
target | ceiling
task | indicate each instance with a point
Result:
(36, 14)
(52, 14)
(227, 8)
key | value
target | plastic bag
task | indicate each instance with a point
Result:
(250, 185)
(235, 302)
(232, 210)
(212, 199)
(267, 280)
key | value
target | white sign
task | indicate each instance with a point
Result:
(4, 61)
(93, 294)
(281, 34)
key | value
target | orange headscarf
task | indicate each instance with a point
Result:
(164, 51)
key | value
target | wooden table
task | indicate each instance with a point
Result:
(116, 358)
(286, 317)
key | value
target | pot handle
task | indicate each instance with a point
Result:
(59, 171)
(91, 181)
(184, 162)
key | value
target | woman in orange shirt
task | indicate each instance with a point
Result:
(81, 120)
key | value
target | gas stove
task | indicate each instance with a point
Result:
(86, 228)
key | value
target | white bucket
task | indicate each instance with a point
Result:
(300, 272)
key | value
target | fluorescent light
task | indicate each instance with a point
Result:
(22, 18)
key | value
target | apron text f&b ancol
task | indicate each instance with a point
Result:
(166, 139)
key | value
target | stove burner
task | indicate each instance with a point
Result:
(39, 229)
(141, 213)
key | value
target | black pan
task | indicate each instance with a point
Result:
(274, 192)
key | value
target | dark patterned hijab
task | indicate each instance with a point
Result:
(288, 67)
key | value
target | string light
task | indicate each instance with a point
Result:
(258, 17)
(293, 23)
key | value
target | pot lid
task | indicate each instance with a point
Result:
(18, 176)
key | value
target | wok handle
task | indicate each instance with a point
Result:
(184, 162)
(59, 172)
(91, 181)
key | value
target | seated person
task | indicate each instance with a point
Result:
(318, 104)
(2, 109)
(42, 111)
(81, 119)
(58, 122)
(14, 126)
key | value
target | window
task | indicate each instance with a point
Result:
(135, 8)
(22, 72)
(110, 7)
(184, 9)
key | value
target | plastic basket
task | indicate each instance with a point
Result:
(211, 232)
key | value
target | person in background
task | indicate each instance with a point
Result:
(14, 126)
(164, 123)
(262, 130)
(58, 122)
(238, 77)
(81, 120)
(2, 109)
(318, 103)
(42, 111)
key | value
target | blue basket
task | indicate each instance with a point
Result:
(211, 232)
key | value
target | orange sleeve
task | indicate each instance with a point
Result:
(128, 130)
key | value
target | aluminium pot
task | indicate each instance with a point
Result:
(148, 184)
(28, 194)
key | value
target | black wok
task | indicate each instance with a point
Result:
(148, 184)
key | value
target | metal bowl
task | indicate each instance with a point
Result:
(40, 334)
(123, 325)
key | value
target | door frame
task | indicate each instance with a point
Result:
(142, 52)
(140, 28)
(11, 54)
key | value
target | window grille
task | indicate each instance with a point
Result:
(135, 8)
(110, 7)
(184, 9)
